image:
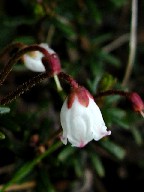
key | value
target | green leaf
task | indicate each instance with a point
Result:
(2, 136)
(137, 135)
(118, 3)
(97, 163)
(110, 59)
(29, 166)
(94, 11)
(67, 28)
(25, 39)
(113, 148)
(4, 110)
(65, 153)
(115, 116)
(78, 166)
(44, 181)
(106, 82)
(101, 39)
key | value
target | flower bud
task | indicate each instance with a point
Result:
(81, 119)
(39, 62)
(137, 102)
(33, 60)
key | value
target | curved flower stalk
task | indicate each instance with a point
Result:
(18, 55)
(36, 61)
(81, 119)
(133, 97)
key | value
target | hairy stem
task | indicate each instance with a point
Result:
(68, 79)
(24, 87)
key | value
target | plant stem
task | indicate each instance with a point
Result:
(133, 42)
(59, 87)
(33, 82)
(18, 187)
(116, 43)
(24, 87)
(112, 92)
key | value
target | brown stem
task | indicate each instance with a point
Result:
(17, 56)
(24, 87)
(19, 187)
(112, 92)
(34, 81)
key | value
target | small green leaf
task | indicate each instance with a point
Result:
(97, 163)
(95, 11)
(78, 166)
(101, 38)
(65, 153)
(118, 3)
(107, 82)
(114, 149)
(4, 110)
(110, 59)
(44, 181)
(2, 136)
(137, 135)
(67, 28)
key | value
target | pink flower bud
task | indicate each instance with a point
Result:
(81, 119)
(137, 102)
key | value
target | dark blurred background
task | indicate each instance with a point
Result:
(81, 32)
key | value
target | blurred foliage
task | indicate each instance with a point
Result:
(78, 31)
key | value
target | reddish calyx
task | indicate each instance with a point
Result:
(137, 102)
(82, 94)
(52, 63)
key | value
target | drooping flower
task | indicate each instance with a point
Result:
(81, 119)
(38, 62)
(33, 60)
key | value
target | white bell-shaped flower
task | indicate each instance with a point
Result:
(33, 60)
(81, 119)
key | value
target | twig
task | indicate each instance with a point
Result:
(116, 43)
(133, 42)
(50, 34)
(23, 186)
(6, 169)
